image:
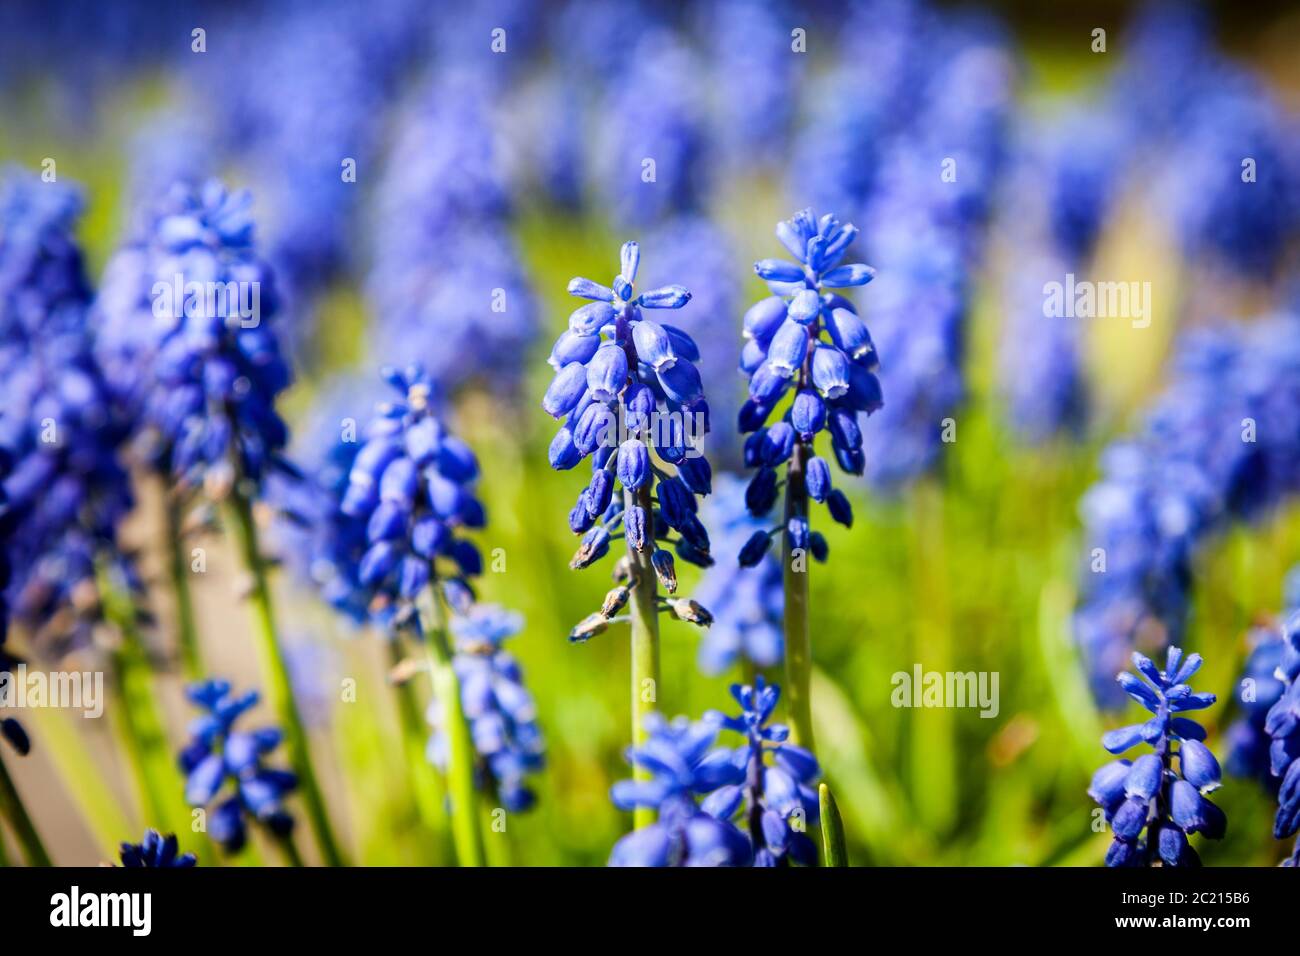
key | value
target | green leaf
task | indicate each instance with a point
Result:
(835, 853)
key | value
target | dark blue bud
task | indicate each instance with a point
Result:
(843, 425)
(778, 270)
(572, 347)
(763, 318)
(752, 355)
(607, 373)
(593, 428)
(850, 275)
(696, 474)
(668, 297)
(639, 401)
(586, 289)
(680, 382)
(849, 333)
(778, 443)
(830, 371)
(591, 318)
(562, 453)
(580, 518)
(664, 570)
(653, 345)
(760, 496)
(864, 393)
(753, 550)
(629, 259)
(804, 307)
(695, 534)
(817, 477)
(683, 345)
(768, 385)
(807, 413)
(752, 454)
(634, 525)
(789, 348)
(565, 390)
(600, 492)
(676, 501)
(429, 537)
(818, 547)
(633, 464)
(375, 564)
(839, 507)
(752, 416)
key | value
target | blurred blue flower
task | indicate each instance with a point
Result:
(684, 764)
(411, 487)
(1147, 794)
(186, 336)
(218, 753)
(1221, 443)
(1283, 727)
(501, 713)
(746, 603)
(156, 851)
(777, 799)
(1247, 740)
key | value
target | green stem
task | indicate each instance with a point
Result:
(276, 673)
(138, 721)
(460, 745)
(11, 805)
(835, 852)
(415, 734)
(798, 640)
(187, 633)
(644, 612)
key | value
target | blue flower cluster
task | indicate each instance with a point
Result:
(832, 378)
(66, 490)
(684, 765)
(411, 487)
(1222, 442)
(501, 713)
(447, 284)
(218, 753)
(1283, 727)
(187, 340)
(699, 790)
(778, 796)
(1147, 794)
(746, 603)
(630, 393)
(156, 852)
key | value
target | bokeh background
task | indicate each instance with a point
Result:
(478, 170)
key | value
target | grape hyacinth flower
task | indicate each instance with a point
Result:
(779, 784)
(807, 340)
(501, 713)
(679, 765)
(1247, 739)
(411, 486)
(1147, 794)
(632, 398)
(219, 753)
(746, 603)
(156, 852)
(1283, 727)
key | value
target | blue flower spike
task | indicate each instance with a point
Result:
(156, 852)
(1154, 803)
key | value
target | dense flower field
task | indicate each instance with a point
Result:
(742, 433)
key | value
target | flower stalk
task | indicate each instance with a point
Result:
(11, 806)
(276, 672)
(798, 639)
(645, 643)
(187, 633)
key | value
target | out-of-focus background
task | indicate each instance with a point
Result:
(514, 160)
